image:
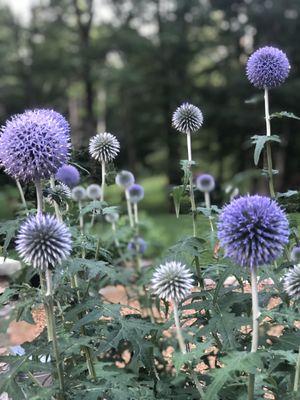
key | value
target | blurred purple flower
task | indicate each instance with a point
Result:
(43, 241)
(295, 254)
(136, 193)
(253, 230)
(267, 67)
(205, 183)
(33, 145)
(125, 179)
(69, 175)
(137, 245)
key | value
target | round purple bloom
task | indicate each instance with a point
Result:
(69, 175)
(267, 67)
(33, 146)
(137, 245)
(205, 183)
(136, 193)
(187, 118)
(125, 179)
(253, 230)
(43, 241)
(60, 119)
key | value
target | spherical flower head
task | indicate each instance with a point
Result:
(205, 183)
(33, 146)
(295, 254)
(187, 118)
(253, 230)
(136, 193)
(137, 246)
(60, 119)
(69, 175)
(104, 147)
(78, 193)
(43, 241)
(59, 193)
(291, 283)
(172, 281)
(267, 67)
(93, 191)
(112, 218)
(125, 179)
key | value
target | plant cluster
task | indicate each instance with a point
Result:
(201, 322)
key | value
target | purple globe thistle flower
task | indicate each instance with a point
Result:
(205, 183)
(137, 245)
(69, 175)
(267, 67)
(187, 118)
(104, 147)
(93, 191)
(253, 230)
(172, 281)
(295, 254)
(291, 283)
(60, 119)
(125, 179)
(43, 241)
(136, 193)
(78, 193)
(33, 145)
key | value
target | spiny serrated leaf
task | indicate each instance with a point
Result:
(177, 194)
(180, 359)
(235, 362)
(259, 141)
(284, 114)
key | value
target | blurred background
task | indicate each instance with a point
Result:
(124, 66)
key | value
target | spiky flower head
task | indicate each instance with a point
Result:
(187, 118)
(125, 179)
(291, 282)
(43, 241)
(69, 175)
(78, 193)
(253, 230)
(112, 218)
(60, 119)
(295, 254)
(33, 145)
(172, 281)
(137, 246)
(136, 193)
(93, 191)
(205, 183)
(267, 67)
(58, 194)
(104, 147)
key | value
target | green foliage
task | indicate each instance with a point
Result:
(259, 141)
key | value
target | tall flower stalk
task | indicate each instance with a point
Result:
(104, 147)
(268, 67)
(206, 184)
(125, 179)
(253, 231)
(172, 282)
(19, 186)
(188, 119)
(45, 242)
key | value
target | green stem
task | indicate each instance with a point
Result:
(192, 197)
(39, 196)
(56, 206)
(268, 145)
(208, 206)
(182, 346)
(49, 309)
(136, 214)
(81, 222)
(297, 373)
(22, 196)
(255, 316)
(129, 208)
(103, 180)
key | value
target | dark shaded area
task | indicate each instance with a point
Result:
(126, 73)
